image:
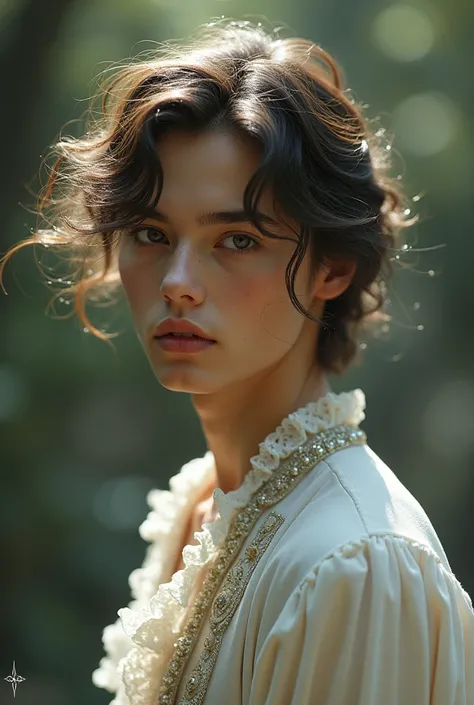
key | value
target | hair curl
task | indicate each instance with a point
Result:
(327, 169)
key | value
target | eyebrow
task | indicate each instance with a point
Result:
(218, 217)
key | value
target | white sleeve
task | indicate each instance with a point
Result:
(379, 622)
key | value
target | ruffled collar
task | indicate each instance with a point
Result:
(139, 648)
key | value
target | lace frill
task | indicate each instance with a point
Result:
(139, 644)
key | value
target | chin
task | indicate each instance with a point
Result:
(189, 381)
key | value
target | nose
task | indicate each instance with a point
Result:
(182, 279)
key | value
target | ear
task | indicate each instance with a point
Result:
(333, 279)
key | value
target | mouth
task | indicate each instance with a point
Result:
(178, 336)
(183, 343)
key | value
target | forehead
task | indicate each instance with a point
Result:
(207, 169)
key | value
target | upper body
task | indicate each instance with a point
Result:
(346, 596)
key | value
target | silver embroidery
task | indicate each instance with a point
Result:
(224, 607)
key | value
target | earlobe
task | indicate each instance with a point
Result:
(333, 280)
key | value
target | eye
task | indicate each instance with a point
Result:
(134, 234)
(144, 237)
(243, 250)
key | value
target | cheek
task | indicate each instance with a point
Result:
(262, 303)
(139, 289)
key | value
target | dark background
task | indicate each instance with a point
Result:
(85, 435)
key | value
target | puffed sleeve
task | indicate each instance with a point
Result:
(379, 622)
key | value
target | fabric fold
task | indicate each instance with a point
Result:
(380, 620)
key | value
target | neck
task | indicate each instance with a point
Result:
(236, 420)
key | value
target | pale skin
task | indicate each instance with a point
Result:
(264, 364)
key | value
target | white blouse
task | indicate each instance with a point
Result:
(321, 582)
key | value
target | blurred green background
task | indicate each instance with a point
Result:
(84, 435)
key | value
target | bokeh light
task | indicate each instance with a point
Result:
(426, 123)
(120, 502)
(13, 392)
(403, 33)
(447, 422)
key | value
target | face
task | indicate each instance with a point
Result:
(226, 278)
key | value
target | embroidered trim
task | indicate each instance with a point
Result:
(224, 607)
(281, 482)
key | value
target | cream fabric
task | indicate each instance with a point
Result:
(352, 603)
(382, 624)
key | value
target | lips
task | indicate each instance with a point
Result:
(183, 337)
(172, 326)
(184, 344)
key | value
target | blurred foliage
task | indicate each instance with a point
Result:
(84, 438)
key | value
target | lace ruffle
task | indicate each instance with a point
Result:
(139, 644)
(163, 528)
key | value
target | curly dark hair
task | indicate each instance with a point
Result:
(327, 169)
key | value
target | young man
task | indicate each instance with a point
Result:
(238, 196)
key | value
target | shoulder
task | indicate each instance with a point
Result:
(384, 505)
(350, 503)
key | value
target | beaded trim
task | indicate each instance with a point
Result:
(224, 607)
(290, 472)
